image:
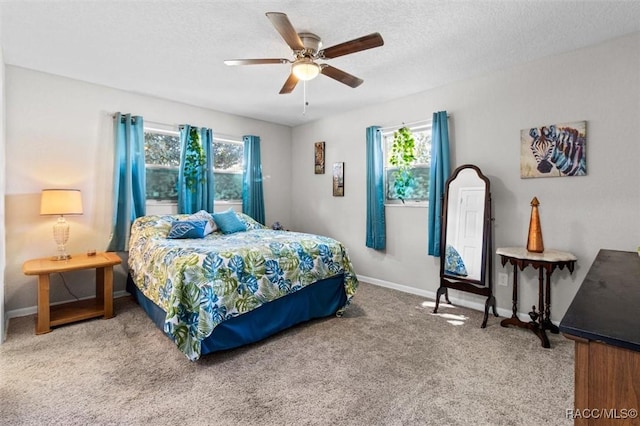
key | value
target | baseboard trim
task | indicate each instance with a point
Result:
(31, 310)
(467, 303)
(5, 331)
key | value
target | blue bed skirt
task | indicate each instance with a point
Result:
(317, 300)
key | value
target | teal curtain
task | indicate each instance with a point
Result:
(252, 198)
(376, 232)
(439, 173)
(195, 177)
(129, 178)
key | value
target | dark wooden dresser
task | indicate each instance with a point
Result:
(604, 322)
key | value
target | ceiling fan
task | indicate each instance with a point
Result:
(307, 50)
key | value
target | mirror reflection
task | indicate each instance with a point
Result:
(466, 244)
(465, 226)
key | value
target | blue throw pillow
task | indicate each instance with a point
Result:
(228, 222)
(203, 215)
(187, 229)
(453, 263)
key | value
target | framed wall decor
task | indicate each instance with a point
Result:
(319, 158)
(338, 179)
(554, 150)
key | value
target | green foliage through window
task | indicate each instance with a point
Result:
(162, 158)
(161, 149)
(227, 156)
(407, 164)
(402, 157)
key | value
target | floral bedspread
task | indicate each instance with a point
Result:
(201, 282)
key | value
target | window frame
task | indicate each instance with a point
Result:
(387, 141)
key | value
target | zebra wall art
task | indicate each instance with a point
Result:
(554, 150)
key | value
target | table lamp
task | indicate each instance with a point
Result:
(61, 202)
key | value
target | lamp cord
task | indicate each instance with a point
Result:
(67, 287)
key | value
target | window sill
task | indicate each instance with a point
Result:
(410, 204)
(161, 203)
(175, 203)
(156, 207)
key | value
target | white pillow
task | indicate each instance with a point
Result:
(203, 215)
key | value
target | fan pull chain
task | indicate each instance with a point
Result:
(304, 100)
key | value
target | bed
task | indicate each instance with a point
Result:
(225, 290)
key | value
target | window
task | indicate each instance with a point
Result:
(228, 156)
(418, 192)
(162, 162)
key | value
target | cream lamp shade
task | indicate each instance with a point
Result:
(60, 202)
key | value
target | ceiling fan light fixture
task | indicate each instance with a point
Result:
(306, 49)
(305, 69)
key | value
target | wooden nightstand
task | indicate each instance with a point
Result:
(101, 305)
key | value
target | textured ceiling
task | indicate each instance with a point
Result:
(175, 49)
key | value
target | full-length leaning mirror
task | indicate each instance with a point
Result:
(465, 241)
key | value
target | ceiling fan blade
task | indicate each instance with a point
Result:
(289, 85)
(341, 76)
(286, 30)
(256, 61)
(363, 43)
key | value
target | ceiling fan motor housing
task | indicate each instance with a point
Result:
(312, 44)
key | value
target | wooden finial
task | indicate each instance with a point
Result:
(534, 240)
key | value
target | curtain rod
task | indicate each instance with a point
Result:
(224, 137)
(148, 121)
(411, 124)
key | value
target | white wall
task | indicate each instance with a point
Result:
(59, 134)
(2, 192)
(599, 84)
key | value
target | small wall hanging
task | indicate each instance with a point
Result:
(338, 179)
(554, 150)
(319, 158)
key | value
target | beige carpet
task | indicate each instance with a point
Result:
(388, 361)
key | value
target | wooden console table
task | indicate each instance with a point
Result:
(547, 262)
(100, 306)
(603, 321)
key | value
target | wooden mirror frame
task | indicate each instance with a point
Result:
(482, 286)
